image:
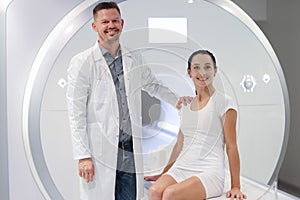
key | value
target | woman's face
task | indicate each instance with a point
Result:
(202, 70)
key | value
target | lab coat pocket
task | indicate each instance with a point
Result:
(104, 99)
(100, 93)
(95, 131)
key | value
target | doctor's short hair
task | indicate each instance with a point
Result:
(105, 5)
(202, 52)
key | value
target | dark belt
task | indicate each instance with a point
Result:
(126, 145)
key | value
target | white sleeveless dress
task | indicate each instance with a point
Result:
(202, 154)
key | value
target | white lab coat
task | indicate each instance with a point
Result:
(94, 115)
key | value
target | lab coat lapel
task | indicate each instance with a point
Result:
(97, 54)
(127, 67)
(100, 62)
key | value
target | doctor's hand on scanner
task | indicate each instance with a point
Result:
(86, 169)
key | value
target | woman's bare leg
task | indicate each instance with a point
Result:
(156, 190)
(189, 189)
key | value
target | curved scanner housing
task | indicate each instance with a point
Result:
(248, 70)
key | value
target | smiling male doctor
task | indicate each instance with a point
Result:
(104, 103)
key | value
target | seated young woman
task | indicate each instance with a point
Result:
(196, 169)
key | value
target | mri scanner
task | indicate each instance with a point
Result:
(166, 32)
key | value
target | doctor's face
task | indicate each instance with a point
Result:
(108, 24)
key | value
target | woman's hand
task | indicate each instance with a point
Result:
(235, 193)
(152, 178)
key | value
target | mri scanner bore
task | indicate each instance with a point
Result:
(249, 71)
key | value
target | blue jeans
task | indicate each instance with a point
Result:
(125, 186)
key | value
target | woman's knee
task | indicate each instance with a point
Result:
(156, 190)
(170, 193)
